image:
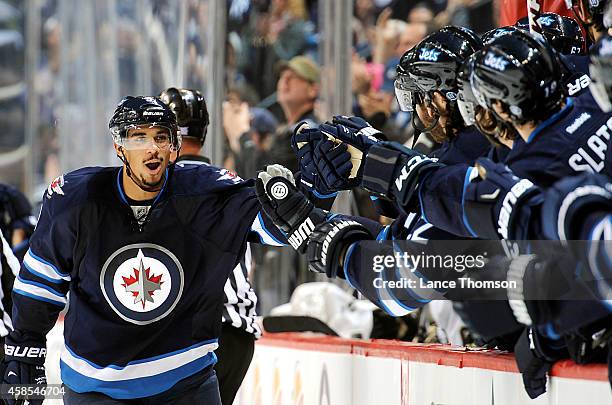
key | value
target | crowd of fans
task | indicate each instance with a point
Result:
(273, 73)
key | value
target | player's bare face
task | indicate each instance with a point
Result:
(148, 152)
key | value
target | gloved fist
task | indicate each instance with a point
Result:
(288, 208)
(334, 165)
(359, 125)
(24, 359)
(329, 242)
(303, 143)
(358, 141)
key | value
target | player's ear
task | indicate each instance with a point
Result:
(119, 150)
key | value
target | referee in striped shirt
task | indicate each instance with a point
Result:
(237, 341)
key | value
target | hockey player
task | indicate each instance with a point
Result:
(558, 136)
(591, 14)
(562, 33)
(144, 251)
(240, 329)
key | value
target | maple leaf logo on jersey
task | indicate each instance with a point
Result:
(228, 175)
(142, 284)
(56, 187)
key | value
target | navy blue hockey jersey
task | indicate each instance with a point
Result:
(145, 301)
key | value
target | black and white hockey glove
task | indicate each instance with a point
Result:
(329, 242)
(286, 206)
(497, 204)
(24, 363)
(394, 172)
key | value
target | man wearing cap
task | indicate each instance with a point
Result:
(297, 90)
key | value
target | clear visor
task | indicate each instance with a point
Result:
(144, 137)
(467, 109)
(405, 98)
(598, 87)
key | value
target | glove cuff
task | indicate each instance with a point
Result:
(25, 348)
(379, 170)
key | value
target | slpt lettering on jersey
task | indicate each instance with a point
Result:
(591, 157)
(430, 55)
(495, 62)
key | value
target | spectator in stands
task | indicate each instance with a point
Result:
(297, 92)
(421, 13)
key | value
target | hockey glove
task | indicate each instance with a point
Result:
(328, 244)
(303, 143)
(334, 165)
(24, 362)
(498, 204)
(394, 172)
(569, 202)
(535, 356)
(358, 142)
(288, 208)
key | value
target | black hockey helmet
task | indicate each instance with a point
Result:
(190, 109)
(589, 12)
(133, 112)
(466, 101)
(490, 35)
(562, 33)
(432, 65)
(473, 113)
(522, 73)
(601, 72)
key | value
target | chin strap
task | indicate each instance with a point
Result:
(130, 174)
(417, 124)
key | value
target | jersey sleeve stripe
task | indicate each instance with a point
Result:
(44, 267)
(41, 295)
(24, 285)
(259, 227)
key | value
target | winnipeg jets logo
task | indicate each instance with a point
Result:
(546, 21)
(142, 282)
(56, 187)
(430, 55)
(495, 62)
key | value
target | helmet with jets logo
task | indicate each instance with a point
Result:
(562, 33)
(432, 65)
(520, 74)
